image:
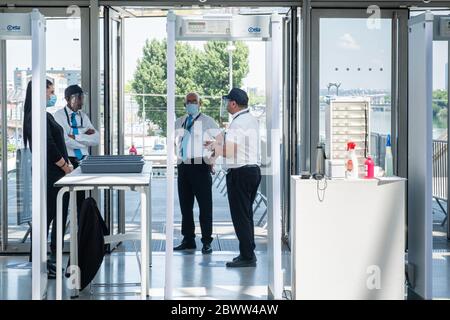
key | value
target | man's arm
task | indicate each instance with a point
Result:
(219, 147)
(71, 143)
(91, 138)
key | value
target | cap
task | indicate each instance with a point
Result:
(71, 90)
(351, 145)
(238, 95)
(388, 140)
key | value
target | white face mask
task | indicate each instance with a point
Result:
(192, 108)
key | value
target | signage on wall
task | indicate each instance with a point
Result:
(223, 27)
(15, 26)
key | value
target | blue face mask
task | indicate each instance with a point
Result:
(52, 101)
(192, 108)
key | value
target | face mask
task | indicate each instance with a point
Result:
(51, 101)
(192, 108)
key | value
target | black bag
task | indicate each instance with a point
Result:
(91, 242)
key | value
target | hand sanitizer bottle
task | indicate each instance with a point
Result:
(388, 162)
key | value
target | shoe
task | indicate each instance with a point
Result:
(207, 249)
(51, 274)
(186, 246)
(51, 265)
(51, 270)
(238, 262)
(239, 257)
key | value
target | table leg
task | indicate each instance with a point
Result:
(74, 242)
(144, 244)
(149, 235)
(59, 241)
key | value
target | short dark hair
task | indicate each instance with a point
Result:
(27, 119)
(71, 90)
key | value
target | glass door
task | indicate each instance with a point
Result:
(356, 58)
(63, 58)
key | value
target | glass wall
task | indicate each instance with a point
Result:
(355, 65)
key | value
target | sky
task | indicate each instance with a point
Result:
(349, 45)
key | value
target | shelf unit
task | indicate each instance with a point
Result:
(347, 119)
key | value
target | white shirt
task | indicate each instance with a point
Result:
(244, 132)
(82, 141)
(203, 129)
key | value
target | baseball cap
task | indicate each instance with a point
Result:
(238, 95)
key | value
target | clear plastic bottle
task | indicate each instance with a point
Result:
(352, 165)
(388, 161)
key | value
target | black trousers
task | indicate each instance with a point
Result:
(81, 195)
(194, 181)
(242, 186)
(52, 193)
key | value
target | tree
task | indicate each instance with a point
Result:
(214, 71)
(204, 71)
(151, 78)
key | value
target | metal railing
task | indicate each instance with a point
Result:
(440, 173)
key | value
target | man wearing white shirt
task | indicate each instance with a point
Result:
(79, 133)
(194, 172)
(239, 148)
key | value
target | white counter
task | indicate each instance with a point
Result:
(349, 244)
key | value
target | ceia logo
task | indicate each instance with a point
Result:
(11, 27)
(254, 30)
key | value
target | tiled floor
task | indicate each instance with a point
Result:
(195, 276)
(441, 256)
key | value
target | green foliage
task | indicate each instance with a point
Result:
(203, 71)
(440, 108)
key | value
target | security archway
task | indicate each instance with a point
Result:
(423, 30)
(31, 26)
(262, 28)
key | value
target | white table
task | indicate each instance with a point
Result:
(348, 239)
(78, 181)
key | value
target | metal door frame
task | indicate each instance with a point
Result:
(111, 15)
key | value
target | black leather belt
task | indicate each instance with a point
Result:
(243, 167)
(194, 161)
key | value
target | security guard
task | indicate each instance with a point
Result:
(79, 133)
(194, 172)
(239, 147)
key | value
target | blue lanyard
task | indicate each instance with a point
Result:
(190, 126)
(69, 123)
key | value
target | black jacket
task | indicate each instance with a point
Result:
(56, 148)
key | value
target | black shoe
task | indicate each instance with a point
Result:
(51, 265)
(186, 246)
(51, 270)
(239, 257)
(207, 249)
(238, 262)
